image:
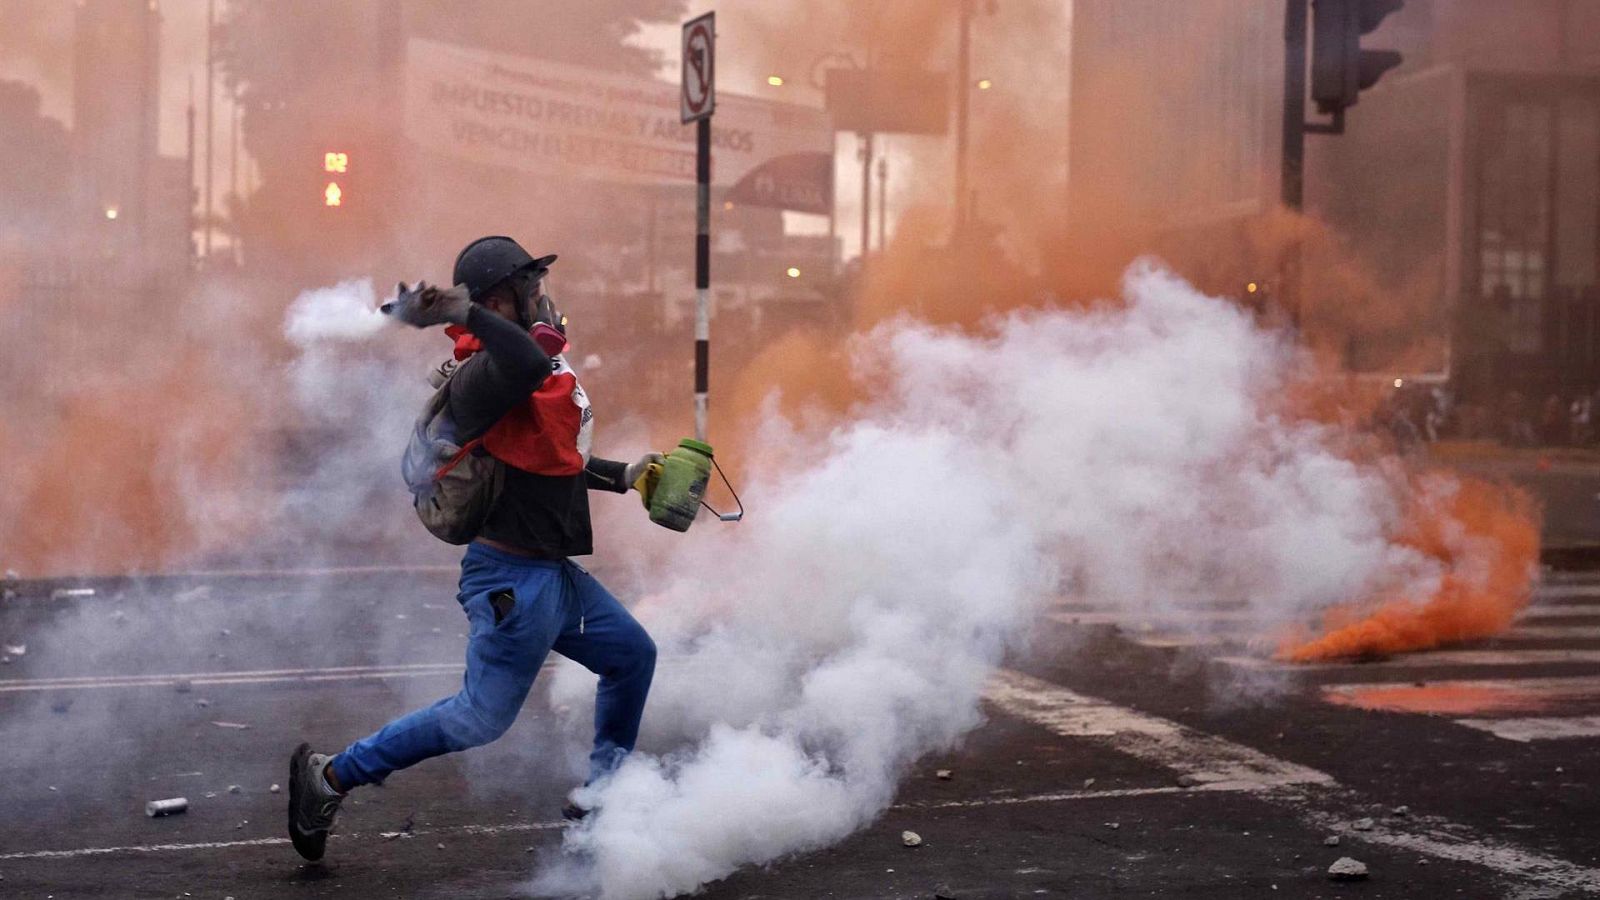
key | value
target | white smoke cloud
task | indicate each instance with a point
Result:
(348, 311)
(1130, 455)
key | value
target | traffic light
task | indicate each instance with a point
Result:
(1340, 69)
(334, 163)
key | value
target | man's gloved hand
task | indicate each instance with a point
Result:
(428, 304)
(644, 475)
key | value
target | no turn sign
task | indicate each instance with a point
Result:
(698, 97)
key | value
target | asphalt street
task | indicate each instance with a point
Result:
(1121, 757)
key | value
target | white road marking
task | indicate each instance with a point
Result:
(1311, 795)
(1552, 633)
(206, 679)
(1555, 591)
(270, 842)
(1552, 728)
(1210, 760)
(1429, 659)
(1562, 611)
(1535, 690)
(1163, 640)
(1139, 620)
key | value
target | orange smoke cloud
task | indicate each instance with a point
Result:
(1485, 538)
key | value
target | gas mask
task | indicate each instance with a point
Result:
(549, 326)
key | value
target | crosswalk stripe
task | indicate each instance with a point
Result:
(1309, 795)
(1554, 632)
(1199, 620)
(1431, 659)
(1562, 611)
(1538, 729)
(1478, 697)
(1568, 590)
(1267, 643)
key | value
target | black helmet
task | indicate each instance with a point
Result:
(488, 261)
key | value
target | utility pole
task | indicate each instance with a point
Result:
(963, 77)
(866, 197)
(883, 201)
(211, 80)
(189, 189)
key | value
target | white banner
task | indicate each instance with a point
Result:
(542, 116)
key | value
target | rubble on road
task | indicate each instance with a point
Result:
(235, 789)
(1362, 825)
(274, 789)
(172, 807)
(1187, 780)
(1331, 841)
(1402, 810)
(1347, 869)
(943, 775)
(910, 839)
(15, 649)
(1088, 783)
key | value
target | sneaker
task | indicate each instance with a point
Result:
(312, 802)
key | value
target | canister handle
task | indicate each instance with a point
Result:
(725, 517)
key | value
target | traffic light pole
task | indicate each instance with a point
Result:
(1294, 103)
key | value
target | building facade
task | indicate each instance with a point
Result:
(1466, 184)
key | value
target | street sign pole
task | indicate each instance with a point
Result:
(698, 102)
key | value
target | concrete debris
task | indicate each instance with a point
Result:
(211, 795)
(237, 726)
(183, 685)
(438, 846)
(274, 789)
(53, 789)
(235, 789)
(943, 775)
(1088, 783)
(1331, 840)
(1187, 780)
(1347, 869)
(1402, 810)
(943, 893)
(406, 829)
(172, 807)
(910, 839)
(1113, 825)
(1362, 824)
(17, 649)
(241, 825)
(202, 703)
(227, 632)
(69, 593)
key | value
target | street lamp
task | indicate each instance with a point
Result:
(775, 80)
(793, 272)
(111, 212)
(984, 84)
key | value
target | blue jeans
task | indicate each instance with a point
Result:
(554, 606)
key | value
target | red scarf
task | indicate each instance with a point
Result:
(540, 436)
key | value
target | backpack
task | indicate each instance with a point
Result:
(454, 486)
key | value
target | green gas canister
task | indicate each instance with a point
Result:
(684, 476)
